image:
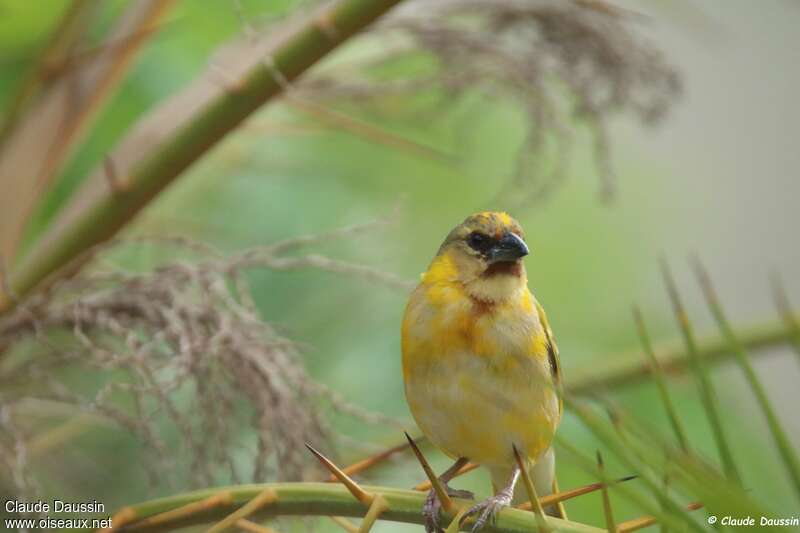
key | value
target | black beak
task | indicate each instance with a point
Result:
(510, 248)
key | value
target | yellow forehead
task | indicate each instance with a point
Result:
(493, 222)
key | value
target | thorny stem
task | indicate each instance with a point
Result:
(62, 40)
(57, 121)
(99, 213)
(306, 499)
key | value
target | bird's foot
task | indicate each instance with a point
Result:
(487, 509)
(432, 507)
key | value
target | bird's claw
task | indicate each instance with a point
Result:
(487, 510)
(430, 511)
(432, 507)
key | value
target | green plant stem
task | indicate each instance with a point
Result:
(707, 393)
(675, 517)
(689, 473)
(69, 28)
(629, 457)
(780, 438)
(658, 377)
(608, 511)
(310, 499)
(643, 449)
(98, 211)
(781, 298)
(676, 359)
(55, 122)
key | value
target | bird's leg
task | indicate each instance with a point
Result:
(488, 508)
(432, 504)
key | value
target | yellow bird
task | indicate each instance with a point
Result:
(480, 365)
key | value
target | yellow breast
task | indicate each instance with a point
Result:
(477, 376)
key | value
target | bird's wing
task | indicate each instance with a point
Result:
(558, 509)
(552, 350)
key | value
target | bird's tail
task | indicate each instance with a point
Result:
(543, 475)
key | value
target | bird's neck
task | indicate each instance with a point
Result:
(495, 285)
(497, 288)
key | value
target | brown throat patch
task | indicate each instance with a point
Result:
(509, 268)
(481, 307)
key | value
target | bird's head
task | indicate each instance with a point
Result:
(484, 253)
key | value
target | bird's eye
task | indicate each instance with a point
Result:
(477, 241)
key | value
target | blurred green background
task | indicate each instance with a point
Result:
(718, 178)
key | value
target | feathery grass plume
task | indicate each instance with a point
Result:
(782, 443)
(557, 59)
(344, 123)
(187, 350)
(14, 455)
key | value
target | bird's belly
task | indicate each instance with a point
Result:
(471, 407)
